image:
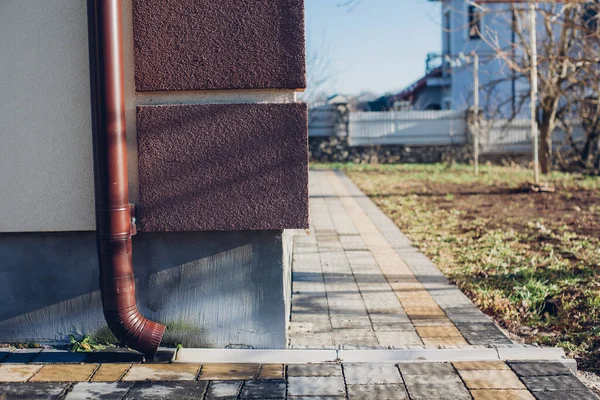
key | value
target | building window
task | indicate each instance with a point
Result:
(475, 22)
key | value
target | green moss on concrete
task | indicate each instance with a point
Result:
(177, 332)
(104, 336)
(183, 327)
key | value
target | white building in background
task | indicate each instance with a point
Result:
(468, 27)
(484, 29)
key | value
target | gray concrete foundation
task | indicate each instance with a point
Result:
(211, 289)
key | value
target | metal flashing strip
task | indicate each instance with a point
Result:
(258, 356)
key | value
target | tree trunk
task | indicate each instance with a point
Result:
(588, 153)
(545, 148)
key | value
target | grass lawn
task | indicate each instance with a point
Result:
(531, 260)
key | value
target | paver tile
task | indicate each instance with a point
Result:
(229, 372)
(442, 342)
(396, 317)
(496, 394)
(64, 373)
(439, 321)
(494, 379)
(428, 369)
(435, 381)
(366, 374)
(479, 365)
(271, 371)
(480, 330)
(174, 390)
(316, 397)
(350, 322)
(434, 389)
(539, 368)
(379, 392)
(417, 291)
(486, 340)
(316, 386)
(393, 327)
(314, 370)
(162, 372)
(398, 339)
(220, 390)
(424, 302)
(424, 313)
(98, 390)
(312, 340)
(110, 372)
(17, 372)
(358, 337)
(561, 395)
(438, 332)
(32, 391)
(561, 382)
(353, 242)
(264, 389)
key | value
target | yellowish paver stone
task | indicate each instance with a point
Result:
(479, 365)
(448, 341)
(271, 371)
(502, 395)
(424, 312)
(17, 372)
(438, 332)
(162, 372)
(65, 373)
(440, 321)
(496, 379)
(110, 372)
(229, 372)
(412, 295)
(419, 303)
(408, 282)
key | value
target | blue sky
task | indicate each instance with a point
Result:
(379, 46)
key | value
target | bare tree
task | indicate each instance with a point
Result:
(319, 69)
(567, 64)
(349, 4)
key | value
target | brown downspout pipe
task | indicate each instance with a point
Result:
(114, 226)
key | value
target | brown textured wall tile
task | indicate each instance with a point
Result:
(218, 44)
(223, 167)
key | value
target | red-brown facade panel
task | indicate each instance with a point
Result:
(223, 167)
(218, 44)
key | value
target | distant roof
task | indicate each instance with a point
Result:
(337, 99)
(410, 90)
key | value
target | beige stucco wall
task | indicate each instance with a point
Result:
(46, 171)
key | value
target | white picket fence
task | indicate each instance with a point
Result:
(514, 137)
(430, 128)
(409, 128)
(505, 136)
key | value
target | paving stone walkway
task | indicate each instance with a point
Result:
(359, 283)
(373, 381)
